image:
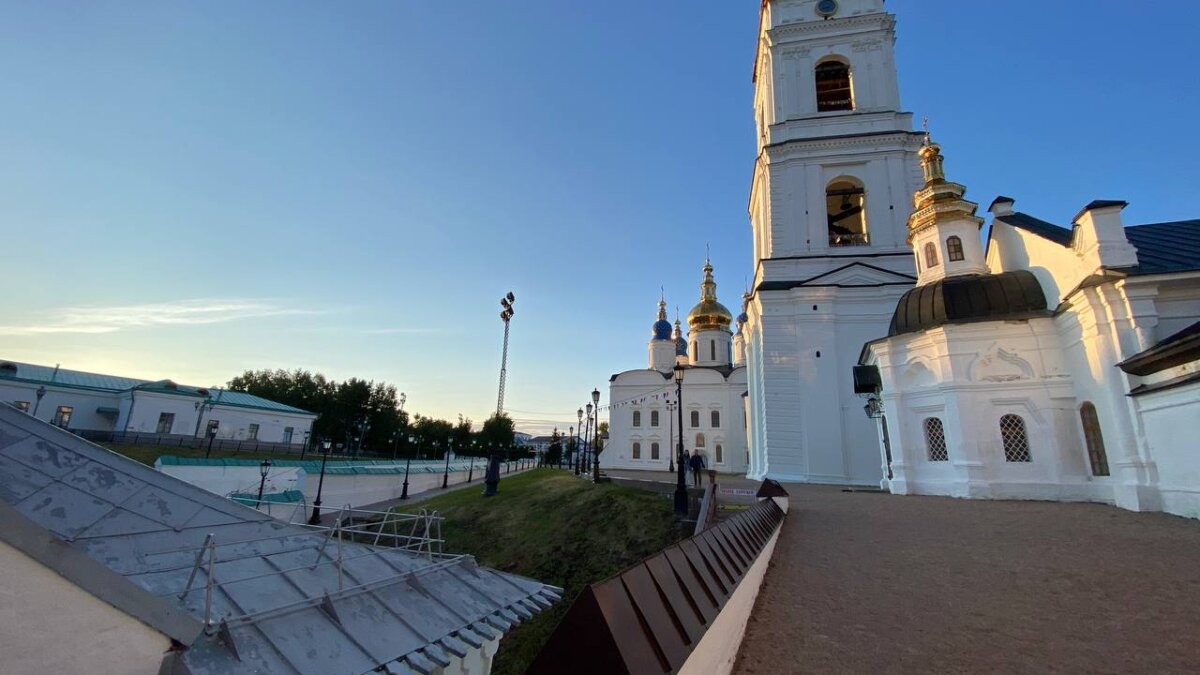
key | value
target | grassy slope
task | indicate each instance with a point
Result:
(147, 454)
(558, 529)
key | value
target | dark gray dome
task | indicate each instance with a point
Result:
(969, 299)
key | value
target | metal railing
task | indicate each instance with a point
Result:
(352, 526)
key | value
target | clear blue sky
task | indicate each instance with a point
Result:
(188, 190)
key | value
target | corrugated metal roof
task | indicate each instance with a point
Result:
(279, 603)
(29, 372)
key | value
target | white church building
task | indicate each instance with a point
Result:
(644, 427)
(1059, 364)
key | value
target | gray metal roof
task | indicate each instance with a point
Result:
(1162, 248)
(280, 602)
(77, 379)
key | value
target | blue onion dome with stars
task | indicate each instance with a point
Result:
(662, 327)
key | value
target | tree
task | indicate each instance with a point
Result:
(554, 452)
(345, 410)
(498, 431)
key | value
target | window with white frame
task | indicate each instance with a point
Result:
(288, 432)
(1015, 439)
(637, 450)
(654, 451)
(719, 453)
(716, 419)
(637, 418)
(935, 440)
(653, 418)
(252, 432)
(165, 422)
(695, 419)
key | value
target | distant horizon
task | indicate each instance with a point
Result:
(193, 191)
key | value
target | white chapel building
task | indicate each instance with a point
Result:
(829, 200)
(1059, 364)
(643, 415)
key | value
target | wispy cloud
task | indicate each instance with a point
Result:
(396, 331)
(204, 311)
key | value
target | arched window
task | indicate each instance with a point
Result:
(695, 418)
(954, 250)
(695, 351)
(654, 451)
(1097, 456)
(1016, 441)
(834, 92)
(720, 454)
(935, 440)
(716, 419)
(846, 208)
(637, 418)
(699, 440)
(712, 350)
(637, 450)
(653, 418)
(931, 256)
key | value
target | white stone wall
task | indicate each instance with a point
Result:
(50, 625)
(1170, 421)
(83, 402)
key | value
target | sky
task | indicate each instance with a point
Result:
(192, 189)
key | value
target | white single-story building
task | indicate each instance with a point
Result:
(93, 402)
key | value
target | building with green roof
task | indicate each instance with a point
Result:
(94, 402)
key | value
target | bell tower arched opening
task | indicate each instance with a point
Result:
(835, 91)
(846, 206)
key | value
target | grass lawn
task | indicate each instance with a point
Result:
(147, 454)
(558, 529)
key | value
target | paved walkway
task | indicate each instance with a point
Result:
(875, 583)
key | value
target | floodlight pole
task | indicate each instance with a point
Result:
(506, 316)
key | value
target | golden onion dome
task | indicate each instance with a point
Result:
(709, 314)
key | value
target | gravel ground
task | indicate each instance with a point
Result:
(875, 583)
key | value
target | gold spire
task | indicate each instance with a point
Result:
(709, 314)
(940, 200)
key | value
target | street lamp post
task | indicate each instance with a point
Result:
(681, 497)
(263, 470)
(316, 514)
(41, 393)
(671, 436)
(579, 433)
(407, 465)
(446, 472)
(596, 446)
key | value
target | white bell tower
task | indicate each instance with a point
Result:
(829, 204)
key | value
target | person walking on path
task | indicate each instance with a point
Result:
(696, 462)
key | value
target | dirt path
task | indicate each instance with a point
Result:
(874, 583)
